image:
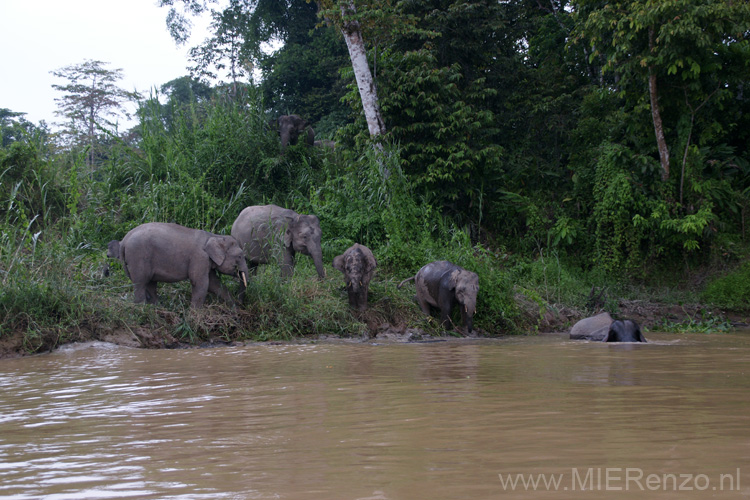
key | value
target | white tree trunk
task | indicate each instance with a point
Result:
(661, 141)
(357, 53)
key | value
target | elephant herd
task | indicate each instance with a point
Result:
(158, 252)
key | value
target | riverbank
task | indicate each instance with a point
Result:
(59, 298)
(217, 325)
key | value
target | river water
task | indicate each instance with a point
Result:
(448, 420)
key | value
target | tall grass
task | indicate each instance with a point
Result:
(198, 166)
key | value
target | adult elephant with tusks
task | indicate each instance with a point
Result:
(265, 231)
(162, 252)
(442, 284)
(603, 328)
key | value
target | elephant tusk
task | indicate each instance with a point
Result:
(244, 279)
(466, 309)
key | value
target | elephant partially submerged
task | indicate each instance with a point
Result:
(442, 284)
(358, 265)
(602, 328)
(291, 127)
(265, 231)
(162, 252)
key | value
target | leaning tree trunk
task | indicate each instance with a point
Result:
(355, 43)
(661, 142)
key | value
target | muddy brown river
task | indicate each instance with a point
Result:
(528, 417)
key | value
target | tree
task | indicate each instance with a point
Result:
(314, 93)
(345, 16)
(226, 50)
(13, 126)
(90, 99)
(676, 49)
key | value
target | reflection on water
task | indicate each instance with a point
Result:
(352, 421)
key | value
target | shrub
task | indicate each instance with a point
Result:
(731, 291)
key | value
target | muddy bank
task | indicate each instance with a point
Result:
(377, 327)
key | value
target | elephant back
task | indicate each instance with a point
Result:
(592, 328)
(260, 230)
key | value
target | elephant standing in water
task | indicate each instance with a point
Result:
(602, 328)
(442, 284)
(162, 252)
(291, 127)
(358, 265)
(264, 231)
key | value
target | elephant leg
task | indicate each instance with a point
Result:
(424, 305)
(287, 267)
(445, 318)
(446, 304)
(151, 297)
(217, 288)
(141, 295)
(198, 294)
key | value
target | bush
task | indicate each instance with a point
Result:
(731, 291)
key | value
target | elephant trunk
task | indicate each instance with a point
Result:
(285, 138)
(354, 286)
(467, 314)
(317, 257)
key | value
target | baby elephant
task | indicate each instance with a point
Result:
(442, 284)
(358, 265)
(162, 252)
(113, 252)
(602, 328)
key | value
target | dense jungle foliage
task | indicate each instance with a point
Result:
(521, 145)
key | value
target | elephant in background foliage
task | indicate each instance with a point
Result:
(264, 231)
(291, 127)
(602, 328)
(162, 252)
(442, 284)
(358, 265)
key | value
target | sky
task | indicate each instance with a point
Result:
(40, 36)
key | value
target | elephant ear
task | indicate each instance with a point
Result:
(289, 232)
(371, 264)
(338, 263)
(216, 250)
(454, 277)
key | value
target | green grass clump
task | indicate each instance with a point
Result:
(731, 291)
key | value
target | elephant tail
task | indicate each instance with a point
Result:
(407, 279)
(124, 262)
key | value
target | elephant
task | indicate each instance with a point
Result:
(113, 252)
(290, 128)
(265, 230)
(442, 284)
(325, 144)
(602, 328)
(163, 252)
(358, 265)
